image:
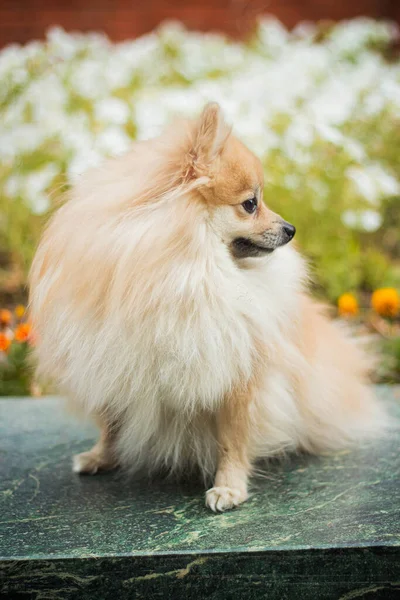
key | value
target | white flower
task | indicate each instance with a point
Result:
(82, 162)
(350, 219)
(334, 103)
(373, 182)
(88, 79)
(47, 98)
(374, 102)
(370, 220)
(272, 34)
(391, 89)
(352, 36)
(13, 186)
(301, 132)
(364, 183)
(354, 149)
(329, 133)
(38, 181)
(111, 110)
(387, 184)
(366, 220)
(35, 185)
(76, 134)
(40, 204)
(61, 43)
(20, 139)
(112, 141)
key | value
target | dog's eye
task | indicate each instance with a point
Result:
(250, 205)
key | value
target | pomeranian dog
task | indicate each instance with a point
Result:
(169, 305)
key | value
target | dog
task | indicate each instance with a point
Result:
(170, 305)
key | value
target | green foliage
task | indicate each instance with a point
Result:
(390, 368)
(15, 371)
(314, 199)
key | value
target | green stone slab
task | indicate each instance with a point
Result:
(314, 527)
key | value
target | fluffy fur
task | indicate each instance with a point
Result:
(187, 355)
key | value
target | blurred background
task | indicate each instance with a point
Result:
(312, 86)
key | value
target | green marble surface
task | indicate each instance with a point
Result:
(314, 527)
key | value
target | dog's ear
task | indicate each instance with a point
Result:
(210, 135)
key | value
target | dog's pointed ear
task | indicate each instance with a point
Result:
(211, 133)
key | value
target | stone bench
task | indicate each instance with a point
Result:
(314, 528)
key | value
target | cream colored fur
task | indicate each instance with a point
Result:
(145, 319)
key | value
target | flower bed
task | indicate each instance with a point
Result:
(319, 105)
(16, 371)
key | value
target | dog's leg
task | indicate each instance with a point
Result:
(101, 457)
(233, 424)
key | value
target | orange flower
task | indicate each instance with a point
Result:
(5, 316)
(4, 342)
(23, 332)
(386, 302)
(19, 311)
(347, 305)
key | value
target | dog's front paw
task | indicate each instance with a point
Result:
(89, 463)
(224, 498)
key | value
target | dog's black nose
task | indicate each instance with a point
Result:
(289, 229)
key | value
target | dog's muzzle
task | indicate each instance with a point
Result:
(242, 247)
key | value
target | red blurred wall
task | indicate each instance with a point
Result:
(23, 20)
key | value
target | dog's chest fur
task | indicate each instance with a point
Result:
(201, 336)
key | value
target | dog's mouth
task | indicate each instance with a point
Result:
(245, 248)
